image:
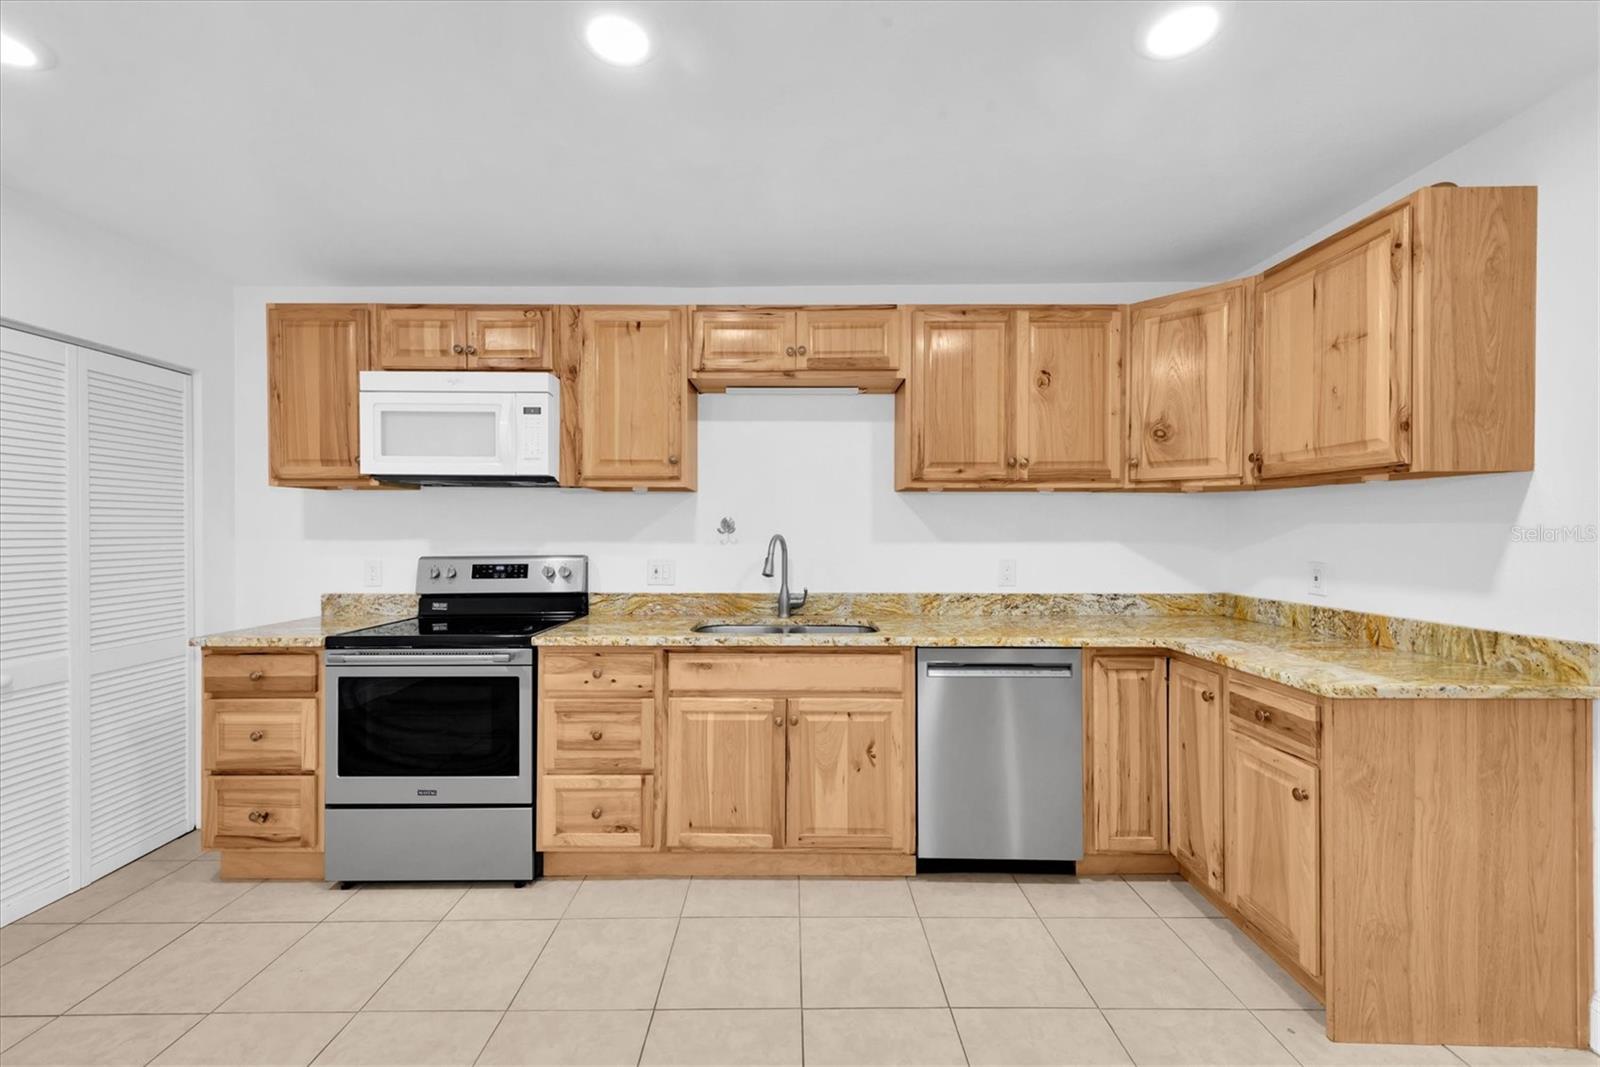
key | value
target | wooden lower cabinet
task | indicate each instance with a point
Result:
(724, 772)
(261, 753)
(846, 773)
(597, 811)
(1196, 731)
(1125, 752)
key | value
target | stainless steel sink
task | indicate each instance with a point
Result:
(786, 628)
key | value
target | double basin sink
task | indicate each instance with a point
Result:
(786, 628)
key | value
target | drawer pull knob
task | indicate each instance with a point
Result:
(260, 815)
(802, 351)
(673, 460)
(457, 349)
(596, 813)
(777, 720)
(595, 735)
(256, 676)
(789, 351)
(1263, 715)
(596, 672)
(256, 735)
(794, 720)
(1299, 794)
(1207, 695)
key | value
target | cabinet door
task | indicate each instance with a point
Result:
(421, 338)
(1333, 355)
(315, 354)
(1125, 723)
(725, 772)
(1196, 728)
(748, 339)
(636, 414)
(1274, 846)
(848, 338)
(959, 396)
(508, 338)
(1069, 425)
(846, 772)
(1186, 371)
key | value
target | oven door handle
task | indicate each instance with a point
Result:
(381, 659)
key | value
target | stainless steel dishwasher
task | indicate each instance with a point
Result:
(1000, 754)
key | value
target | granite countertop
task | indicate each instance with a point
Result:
(1327, 665)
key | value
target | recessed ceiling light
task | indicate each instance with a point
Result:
(14, 53)
(619, 41)
(1181, 31)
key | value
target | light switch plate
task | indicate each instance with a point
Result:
(1008, 572)
(372, 573)
(660, 572)
(1319, 579)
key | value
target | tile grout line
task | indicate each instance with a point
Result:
(556, 925)
(666, 964)
(1086, 990)
(934, 959)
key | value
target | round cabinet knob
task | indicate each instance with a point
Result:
(565, 572)
(549, 573)
(1023, 462)
(596, 672)
(433, 572)
(449, 572)
(256, 735)
(789, 351)
(1011, 461)
(471, 351)
(777, 720)
(1263, 715)
(1207, 695)
(794, 720)
(1299, 794)
(672, 460)
(259, 815)
(457, 349)
(801, 350)
(596, 813)
(256, 676)
(595, 735)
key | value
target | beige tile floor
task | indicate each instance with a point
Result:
(160, 962)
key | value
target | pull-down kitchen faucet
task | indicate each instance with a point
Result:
(786, 603)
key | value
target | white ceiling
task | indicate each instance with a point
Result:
(764, 144)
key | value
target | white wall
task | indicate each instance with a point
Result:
(818, 469)
(1443, 549)
(66, 275)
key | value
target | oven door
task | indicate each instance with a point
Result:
(409, 728)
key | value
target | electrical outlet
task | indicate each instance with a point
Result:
(1008, 572)
(1319, 580)
(660, 572)
(372, 573)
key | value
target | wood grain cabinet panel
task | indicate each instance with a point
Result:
(1333, 355)
(957, 426)
(508, 338)
(1274, 847)
(1125, 727)
(596, 811)
(260, 734)
(744, 339)
(1069, 391)
(260, 673)
(253, 811)
(724, 772)
(598, 672)
(315, 355)
(422, 337)
(1197, 730)
(846, 773)
(1186, 382)
(849, 339)
(636, 411)
(594, 734)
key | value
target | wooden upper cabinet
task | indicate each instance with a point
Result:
(315, 354)
(1125, 734)
(846, 773)
(955, 414)
(1186, 386)
(849, 339)
(421, 338)
(1333, 355)
(743, 339)
(635, 412)
(725, 772)
(1275, 846)
(1196, 730)
(508, 338)
(1068, 426)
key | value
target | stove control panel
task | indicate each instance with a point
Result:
(503, 574)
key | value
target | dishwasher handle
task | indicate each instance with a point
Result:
(999, 670)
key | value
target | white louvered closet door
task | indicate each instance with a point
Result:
(36, 751)
(135, 497)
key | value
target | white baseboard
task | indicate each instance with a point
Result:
(1594, 1022)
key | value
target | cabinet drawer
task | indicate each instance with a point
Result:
(261, 811)
(597, 671)
(261, 734)
(599, 734)
(794, 672)
(261, 673)
(602, 812)
(1275, 716)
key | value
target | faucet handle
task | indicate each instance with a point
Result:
(798, 601)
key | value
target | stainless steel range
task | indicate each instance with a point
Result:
(430, 723)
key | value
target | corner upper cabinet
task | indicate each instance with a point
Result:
(447, 337)
(1186, 371)
(315, 354)
(632, 424)
(953, 419)
(1069, 424)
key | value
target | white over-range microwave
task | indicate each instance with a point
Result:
(467, 428)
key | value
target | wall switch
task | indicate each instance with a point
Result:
(660, 572)
(1008, 572)
(372, 573)
(1319, 580)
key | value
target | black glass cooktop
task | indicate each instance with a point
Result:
(463, 632)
